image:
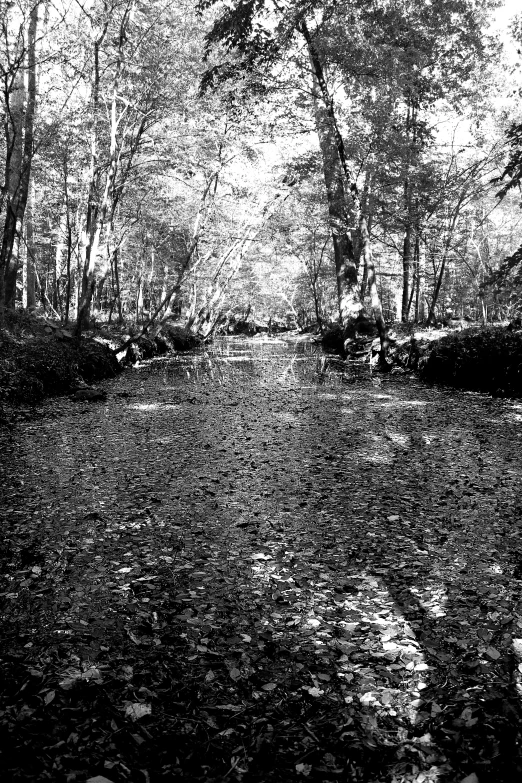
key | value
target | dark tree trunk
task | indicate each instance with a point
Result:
(19, 144)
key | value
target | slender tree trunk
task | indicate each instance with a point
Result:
(30, 254)
(68, 264)
(94, 223)
(362, 252)
(410, 217)
(116, 263)
(406, 269)
(349, 300)
(375, 298)
(57, 272)
(19, 137)
(14, 157)
(442, 268)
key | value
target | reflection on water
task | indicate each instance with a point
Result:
(290, 363)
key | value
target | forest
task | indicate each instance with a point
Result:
(220, 161)
(260, 391)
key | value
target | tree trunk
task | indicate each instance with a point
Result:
(354, 305)
(406, 269)
(348, 296)
(372, 285)
(19, 130)
(116, 264)
(442, 268)
(93, 224)
(30, 256)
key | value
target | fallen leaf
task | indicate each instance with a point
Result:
(316, 692)
(99, 779)
(137, 710)
(49, 697)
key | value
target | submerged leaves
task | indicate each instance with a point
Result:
(266, 581)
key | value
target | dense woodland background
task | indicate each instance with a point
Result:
(288, 160)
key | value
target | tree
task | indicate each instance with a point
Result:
(398, 52)
(19, 93)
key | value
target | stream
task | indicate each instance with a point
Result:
(333, 556)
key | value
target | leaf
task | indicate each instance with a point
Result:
(99, 779)
(303, 769)
(492, 653)
(49, 697)
(316, 692)
(468, 779)
(73, 675)
(137, 710)
(270, 686)
(324, 677)
(261, 556)
(235, 674)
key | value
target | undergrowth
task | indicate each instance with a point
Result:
(483, 360)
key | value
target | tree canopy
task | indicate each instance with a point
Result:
(273, 157)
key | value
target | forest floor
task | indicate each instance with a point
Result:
(235, 570)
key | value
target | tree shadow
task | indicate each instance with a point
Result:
(436, 554)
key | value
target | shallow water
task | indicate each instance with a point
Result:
(255, 483)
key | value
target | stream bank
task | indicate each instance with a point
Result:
(40, 358)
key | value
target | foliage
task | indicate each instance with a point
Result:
(38, 360)
(485, 360)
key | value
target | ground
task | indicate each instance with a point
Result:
(238, 569)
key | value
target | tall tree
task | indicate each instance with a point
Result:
(20, 104)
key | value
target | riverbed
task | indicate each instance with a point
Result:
(321, 562)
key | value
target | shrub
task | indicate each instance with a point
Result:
(485, 360)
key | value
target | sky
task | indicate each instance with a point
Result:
(509, 9)
(504, 14)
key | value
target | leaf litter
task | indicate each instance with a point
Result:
(251, 575)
